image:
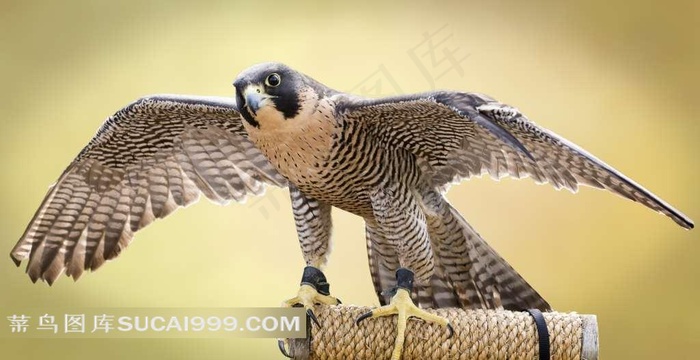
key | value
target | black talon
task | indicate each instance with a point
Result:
(452, 330)
(283, 350)
(338, 300)
(362, 317)
(313, 318)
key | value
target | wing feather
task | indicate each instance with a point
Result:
(150, 158)
(460, 135)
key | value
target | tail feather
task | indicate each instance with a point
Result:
(437, 294)
(382, 277)
(496, 283)
(468, 272)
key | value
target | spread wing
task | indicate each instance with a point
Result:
(459, 135)
(150, 158)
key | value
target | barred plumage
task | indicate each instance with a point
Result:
(150, 158)
(313, 223)
(420, 144)
(387, 160)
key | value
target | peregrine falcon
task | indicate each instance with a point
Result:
(387, 160)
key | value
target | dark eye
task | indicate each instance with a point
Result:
(273, 80)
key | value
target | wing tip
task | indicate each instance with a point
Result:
(47, 280)
(16, 259)
(33, 278)
(687, 224)
(677, 216)
(45, 276)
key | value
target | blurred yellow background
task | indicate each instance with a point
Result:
(619, 79)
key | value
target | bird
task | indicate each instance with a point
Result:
(387, 160)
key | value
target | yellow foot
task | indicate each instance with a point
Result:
(402, 305)
(314, 290)
(307, 297)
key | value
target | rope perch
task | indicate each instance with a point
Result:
(479, 334)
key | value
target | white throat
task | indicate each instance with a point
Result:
(298, 147)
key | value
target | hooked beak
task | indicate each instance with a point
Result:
(253, 96)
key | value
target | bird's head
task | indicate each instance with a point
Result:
(272, 95)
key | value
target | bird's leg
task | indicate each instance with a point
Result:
(314, 290)
(313, 221)
(402, 305)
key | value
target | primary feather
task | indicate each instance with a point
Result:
(150, 158)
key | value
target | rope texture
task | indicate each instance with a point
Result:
(479, 334)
